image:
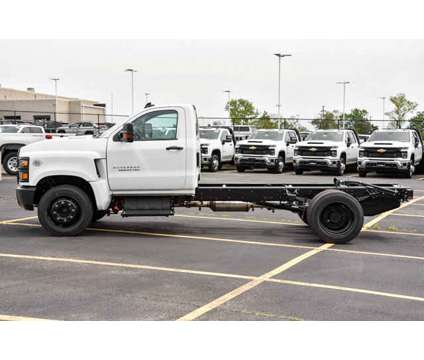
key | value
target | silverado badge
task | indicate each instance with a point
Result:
(252, 148)
(313, 149)
(381, 151)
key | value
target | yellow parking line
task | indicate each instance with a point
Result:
(124, 265)
(251, 284)
(241, 220)
(247, 242)
(390, 212)
(349, 289)
(17, 220)
(408, 215)
(20, 318)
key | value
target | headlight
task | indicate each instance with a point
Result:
(333, 152)
(23, 169)
(361, 152)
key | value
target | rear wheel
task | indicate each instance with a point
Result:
(335, 216)
(10, 163)
(65, 210)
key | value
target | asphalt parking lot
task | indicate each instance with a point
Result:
(214, 266)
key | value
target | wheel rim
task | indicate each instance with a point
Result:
(342, 166)
(411, 170)
(12, 164)
(215, 163)
(337, 218)
(280, 164)
(65, 212)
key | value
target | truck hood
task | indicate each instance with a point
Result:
(253, 142)
(386, 144)
(319, 143)
(71, 144)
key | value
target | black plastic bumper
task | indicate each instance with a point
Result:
(25, 197)
(317, 165)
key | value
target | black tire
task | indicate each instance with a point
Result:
(335, 216)
(10, 163)
(341, 169)
(240, 169)
(98, 214)
(362, 173)
(279, 166)
(215, 163)
(410, 171)
(60, 203)
(298, 171)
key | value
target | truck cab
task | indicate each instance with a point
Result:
(327, 150)
(216, 147)
(391, 151)
(270, 149)
(243, 132)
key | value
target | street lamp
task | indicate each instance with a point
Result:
(280, 56)
(55, 85)
(132, 71)
(344, 83)
(384, 110)
(228, 102)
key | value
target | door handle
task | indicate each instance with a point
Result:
(174, 148)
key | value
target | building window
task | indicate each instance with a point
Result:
(12, 117)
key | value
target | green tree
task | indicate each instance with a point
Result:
(265, 122)
(417, 122)
(358, 119)
(402, 108)
(242, 111)
(327, 120)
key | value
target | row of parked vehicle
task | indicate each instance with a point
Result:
(333, 151)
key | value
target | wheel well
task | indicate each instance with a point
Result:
(343, 155)
(217, 152)
(282, 153)
(48, 182)
(10, 148)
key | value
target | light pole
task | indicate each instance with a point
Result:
(280, 56)
(344, 83)
(384, 110)
(55, 85)
(132, 71)
(228, 103)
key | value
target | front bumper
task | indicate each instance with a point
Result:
(25, 197)
(316, 163)
(384, 165)
(257, 162)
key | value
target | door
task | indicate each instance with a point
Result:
(37, 133)
(290, 139)
(352, 149)
(156, 159)
(416, 143)
(227, 146)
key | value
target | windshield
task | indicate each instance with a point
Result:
(402, 136)
(8, 129)
(209, 134)
(326, 136)
(241, 128)
(268, 135)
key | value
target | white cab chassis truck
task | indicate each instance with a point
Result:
(391, 151)
(328, 151)
(266, 149)
(150, 165)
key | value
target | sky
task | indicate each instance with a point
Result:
(198, 72)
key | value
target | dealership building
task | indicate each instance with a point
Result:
(31, 106)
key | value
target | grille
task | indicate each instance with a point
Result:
(320, 151)
(256, 150)
(388, 153)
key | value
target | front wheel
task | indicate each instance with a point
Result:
(298, 171)
(342, 167)
(65, 210)
(362, 173)
(335, 216)
(410, 171)
(10, 163)
(215, 163)
(279, 165)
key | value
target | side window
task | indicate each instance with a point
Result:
(36, 130)
(25, 130)
(293, 137)
(287, 137)
(157, 125)
(224, 135)
(352, 138)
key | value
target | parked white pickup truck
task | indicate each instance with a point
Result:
(142, 168)
(266, 149)
(327, 150)
(391, 151)
(243, 132)
(12, 138)
(216, 147)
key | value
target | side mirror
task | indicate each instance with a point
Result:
(417, 143)
(348, 143)
(127, 133)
